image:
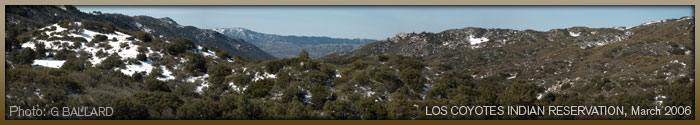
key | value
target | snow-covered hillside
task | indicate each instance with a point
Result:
(119, 43)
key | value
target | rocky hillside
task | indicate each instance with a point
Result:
(25, 18)
(554, 58)
(290, 46)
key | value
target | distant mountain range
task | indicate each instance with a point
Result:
(290, 46)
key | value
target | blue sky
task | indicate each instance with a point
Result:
(380, 22)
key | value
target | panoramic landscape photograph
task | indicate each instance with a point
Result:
(65, 62)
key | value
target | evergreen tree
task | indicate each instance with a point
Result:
(99, 38)
(180, 45)
(141, 57)
(196, 64)
(74, 64)
(520, 93)
(319, 96)
(153, 84)
(217, 74)
(128, 108)
(24, 57)
(111, 61)
(143, 36)
(303, 54)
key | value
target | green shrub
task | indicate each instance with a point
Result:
(100, 53)
(111, 62)
(218, 73)
(141, 57)
(162, 104)
(141, 49)
(520, 93)
(124, 45)
(316, 77)
(153, 84)
(303, 54)
(320, 95)
(63, 54)
(412, 78)
(200, 109)
(260, 88)
(137, 76)
(23, 57)
(99, 38)
(60, 88)
(128, 108)
(98, 26)
(64, 23)
(74, 64)
(274, 66)
(40, 49)
(196, 64)
(180, 45)
(241, 79)
(223, 54)
(292, 93)
(143, 36)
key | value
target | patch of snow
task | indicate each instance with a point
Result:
(541, 95)
(138, 24)
(513, 76)
(337, 74)
(659, 99)
(475, 41)
(423, 93)
(194, 79)
(620, 28)
(200, 88)
(653, 22)
(575, 34)
(265, 75)
(167, 20)
(370, 93)
(219, 30)
(48, 63)
(238, 88)
(134, 68)
(37, 92)
(678, 62)
(446, 43)
(146, 29)
(206, 53)
(167, 73)
(307, 97)
(203, 79)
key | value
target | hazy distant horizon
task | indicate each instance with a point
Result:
(381, 22)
